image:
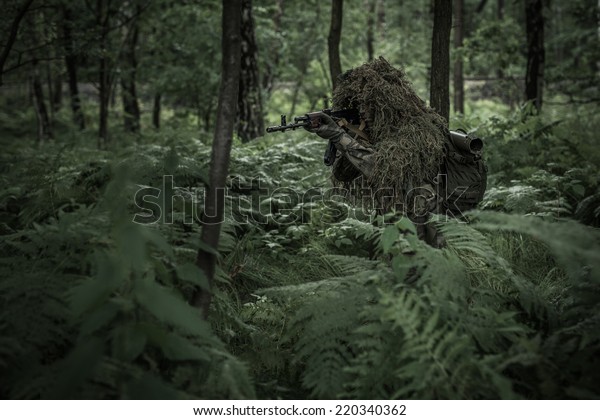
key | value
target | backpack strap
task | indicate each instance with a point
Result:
(462, 158)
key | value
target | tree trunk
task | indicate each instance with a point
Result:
(598, 26)
(131, 108)
(156, 111)
(370, 7)
(221, 147)
(103, 73)
(50, 88)
(250, 123)
(273, 64)
(534, 77)
(71, 65)
(381, 18)
(459, 84)
(12, 35)
(208, 110)
(44, 131)
(480, 6)
(333, 41)
(503, 92)
(440, 58)
(57, 96)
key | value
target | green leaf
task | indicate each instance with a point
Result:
(388, 237)
(400, 266)
(345, 241)
(174, 346)
(149, 387)
(166, 306)
(191, 273)
(91, 292)
(155, 238)
(128, 342)
(76, 368)
(578, 190)
(99, 318)
(406, 225)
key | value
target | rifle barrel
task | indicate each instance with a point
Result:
(286, 127)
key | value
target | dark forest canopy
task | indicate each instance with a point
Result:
(155, 53)
(118, 118)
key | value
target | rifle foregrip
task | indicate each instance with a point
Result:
(282, 128)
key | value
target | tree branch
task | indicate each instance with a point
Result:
(31, 61)
(14, 29)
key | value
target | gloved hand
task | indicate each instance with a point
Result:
(328, 129)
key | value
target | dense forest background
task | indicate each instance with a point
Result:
(294, 295)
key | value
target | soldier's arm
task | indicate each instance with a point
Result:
(360, 156)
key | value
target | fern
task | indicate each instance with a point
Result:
(319, 330)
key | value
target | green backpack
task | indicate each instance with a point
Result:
(465, 173)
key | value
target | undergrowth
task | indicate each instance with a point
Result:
(313, 298)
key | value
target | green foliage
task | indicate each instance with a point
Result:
(96, 305)
(495, 45)
(313, 298)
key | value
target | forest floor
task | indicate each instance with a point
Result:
(313, 296)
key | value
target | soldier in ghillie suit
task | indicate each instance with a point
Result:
(393, 160)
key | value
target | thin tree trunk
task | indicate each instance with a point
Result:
(12, 35)
(103, 73)
(503, 93)
(250, 123)
(156, 111)
(207, 115)
(598, 25)
(221, 148)
(44, 131)
(333, 41)
(381, 18)
(370, 7)
(480, 6)
(534, 77)
(273, 64)
(459, 84)
(50, 88)
(71, 64)
(57, 97)
(131, 108)
(297, 86)
(440, 58)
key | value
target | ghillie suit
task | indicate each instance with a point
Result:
(407, 136)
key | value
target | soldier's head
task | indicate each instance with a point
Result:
(383, 96)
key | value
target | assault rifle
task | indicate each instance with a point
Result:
(312, 120)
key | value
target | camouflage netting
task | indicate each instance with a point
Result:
(407, 135)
